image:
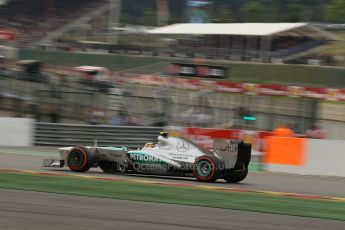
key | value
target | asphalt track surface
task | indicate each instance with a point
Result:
(33, 210)
(266, 181)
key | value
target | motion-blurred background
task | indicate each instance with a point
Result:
(116, 73)
(243, 65)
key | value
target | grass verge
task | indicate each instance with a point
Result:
(174, 195)
(241, 72)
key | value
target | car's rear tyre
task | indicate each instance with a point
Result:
(236, 176)
(206, 168)
(79, 159)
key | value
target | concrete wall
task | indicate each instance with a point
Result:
(326, 157)
(16, 131)
(331, 117)
(321, 157)
(333, 129)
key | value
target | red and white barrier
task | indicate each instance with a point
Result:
(218, 86)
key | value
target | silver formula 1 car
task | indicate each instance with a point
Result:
(171, 156)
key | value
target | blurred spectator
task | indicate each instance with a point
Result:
(201, 119)
(283, 130)
(119, 119)
(133, 120)
(315, 132)
(97, 117)
(159, 118)
(124, 118)
(54, 117)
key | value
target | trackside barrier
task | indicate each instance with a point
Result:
(51, 134)
(285, 151)
(305, 156)
(220, 86)
(16, 131)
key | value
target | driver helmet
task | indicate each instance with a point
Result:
(163, 134)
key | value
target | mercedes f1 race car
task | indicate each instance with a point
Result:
(170, 156)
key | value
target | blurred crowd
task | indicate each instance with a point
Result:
(286, 42)
(32, 20)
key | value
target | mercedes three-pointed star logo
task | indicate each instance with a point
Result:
(182, 146)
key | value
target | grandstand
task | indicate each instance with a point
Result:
(263, 42)
(254, 42)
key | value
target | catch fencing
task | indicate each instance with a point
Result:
(63, 99)
(156, 106)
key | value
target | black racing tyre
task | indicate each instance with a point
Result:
(79, 159)
(206, 168)
(108, 166)
(236, 176)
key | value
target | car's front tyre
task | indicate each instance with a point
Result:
(79, 159)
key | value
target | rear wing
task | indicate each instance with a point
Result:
(232, 152)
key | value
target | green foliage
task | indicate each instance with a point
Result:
(332, 11)
(272, 11)
(295, 10)
(224, 14)
(335, 11)
(253, 11)
(149, 17)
